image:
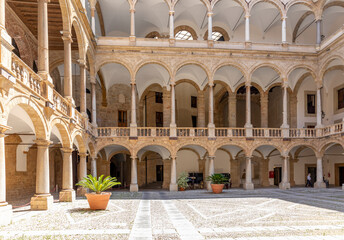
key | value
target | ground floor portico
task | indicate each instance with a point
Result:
(269, 213)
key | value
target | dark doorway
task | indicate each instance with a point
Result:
(313, 171)
(122, 118)
(194, 121)
(159, 173)
(75, 162)
(277, 175)
(341, 176)
(113, 170)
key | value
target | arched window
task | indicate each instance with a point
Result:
(184, 35)
(217, 36)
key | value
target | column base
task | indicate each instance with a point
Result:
(248, 186)
(67, 195)
(284, 186)
(134, 188)
(173, 187)
(319, 185)
(41, 202)
(208, 184)
(5, 213)
(80, 192)
(172, 42)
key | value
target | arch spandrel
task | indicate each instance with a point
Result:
(62, 127)
(278, 4)
(78, 137)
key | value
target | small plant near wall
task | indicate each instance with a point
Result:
(98, 200)
(183, 181)
(217, 182)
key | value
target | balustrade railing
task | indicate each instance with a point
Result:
(26, 75)
(113, 132)
(60, 103)
(153, 132)
(192, 132)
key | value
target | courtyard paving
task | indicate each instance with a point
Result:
(299, 213)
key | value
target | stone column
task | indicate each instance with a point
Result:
(82, 173)
(43, 40)
(94, 103)
(211, 125)
(248, 124)
(248, 183)
(173, 184)
(210, 170)
(171, 24)
(2, 14)
(5, 208)
(82, 65)
(264, 109)
(166, 107)
(210, 26)
(132, 25)
(93, 20)
(67, 194)
(94, 167)
(68, 84)
(318, 22)
(42, 200)
(291, 173)
(133, 185)
(264, 172)
(206, 173)
(133, 124)
(173, 126)
(284, 29)
(293, 110)
(247, 28)
(200, 109)
(320, 181)
(319, 110)
(232, 109)
(285, 183)
(235, 173)
(285, 106)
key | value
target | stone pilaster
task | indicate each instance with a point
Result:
(200, 109)
(42, 200)
(232, 101)
(166, 106)
(67, 194)
(248, 185)
(320, 182)
(43, 40)
(264, 109)
(285, 183)
(211, 170)
(82, 173)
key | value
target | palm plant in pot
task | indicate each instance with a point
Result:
(98, 199)
(217, 182)
(183, 181)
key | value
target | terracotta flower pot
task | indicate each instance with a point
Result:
(98, 201)
(217, 188)
(181, 189)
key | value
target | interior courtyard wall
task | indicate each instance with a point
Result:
(184, 111)
(55, 165)
(222, 162)
(19, 185)
(307, 85)
(152, 107)
(332, 156)
(187, 161)
(275, 107)
(241, 110)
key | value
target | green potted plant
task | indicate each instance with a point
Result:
(217, 182)
(98, 199)
(183, 181)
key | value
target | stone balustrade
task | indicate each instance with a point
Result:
(225, 132)
(60, 103)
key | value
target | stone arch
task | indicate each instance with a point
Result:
(186, 28)
(327, 62)
(230, 64)
(33, 110)
(219, 145)
(153, 34)
(102, 63)
(253, 84)
(256, 146)
(294, 67)
(242, 3)
(269, 65)
(324, 146)
(91, 148)
(160, 63)
(77, 136)
(147, 144)
(323, 7)
(117, 152)
(220, 30)
(66, 13)
(145, 92)
(224, 84)
(307, 3)
(80, 38)
(120, 143)
(62, 127)
(294, 145)
(182, 145)
(163, 151)
(199, 64)
(277, 4)
(188, 81)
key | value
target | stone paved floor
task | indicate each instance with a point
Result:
(298, 213)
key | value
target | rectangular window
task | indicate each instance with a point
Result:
(159, 119)
(193, 102)
(341, 98)
(194, 121)
(311, 103)
(122, 118)
(158, 97)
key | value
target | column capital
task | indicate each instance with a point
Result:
(133, 157)
(67, 150)
(132, 83)
(285, 84)
(67, 37)
(284, 18)
(211, 157)
(82, 63)
(171, 13)
(248, 84)
(83, 154)
(4, 128)
(43, 142)
(247, 15)
(209, 14)
(132, 10)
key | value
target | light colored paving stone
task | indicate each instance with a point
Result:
(142, 228)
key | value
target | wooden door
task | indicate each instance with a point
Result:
(122, 118)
